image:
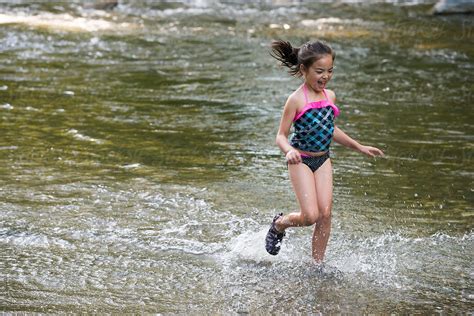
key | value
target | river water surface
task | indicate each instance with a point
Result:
(138, 171)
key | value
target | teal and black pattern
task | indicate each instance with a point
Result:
(313, 131)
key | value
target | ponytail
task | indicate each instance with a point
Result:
(287, 55)
(306, 55)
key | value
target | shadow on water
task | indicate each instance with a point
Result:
(139, 171)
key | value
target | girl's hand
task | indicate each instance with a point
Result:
(370, 151)
(293, 157)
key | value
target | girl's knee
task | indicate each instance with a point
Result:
(310, 219)
(325, 213)
(320, 214)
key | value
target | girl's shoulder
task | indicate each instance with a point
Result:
(331, 95)
(296, 100)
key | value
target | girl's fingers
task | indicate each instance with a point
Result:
(294, 159)
(376, 152)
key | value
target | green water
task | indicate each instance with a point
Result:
(139, 171)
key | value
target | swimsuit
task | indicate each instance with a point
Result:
(314, 129)
(314, 162)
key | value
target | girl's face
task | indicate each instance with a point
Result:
(319, 73)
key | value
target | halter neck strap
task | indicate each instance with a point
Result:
(324, 91)
(305, 91)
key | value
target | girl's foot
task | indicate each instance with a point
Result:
(274, 237)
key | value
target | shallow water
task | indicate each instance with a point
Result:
(139, 172)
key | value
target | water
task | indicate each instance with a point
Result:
(139, 171)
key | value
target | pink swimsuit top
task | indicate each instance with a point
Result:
(314, 124)
(315, 104)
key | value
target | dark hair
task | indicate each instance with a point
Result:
(306, 54)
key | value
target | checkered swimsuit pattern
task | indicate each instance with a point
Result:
(313, 131)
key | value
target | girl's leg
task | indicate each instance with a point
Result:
(322, 229)
(304, 186)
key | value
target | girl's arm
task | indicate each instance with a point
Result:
(289, 112)
(345, 140)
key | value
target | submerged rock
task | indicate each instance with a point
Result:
(453, 7)
(106, 5)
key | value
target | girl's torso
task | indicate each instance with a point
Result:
(314, 125)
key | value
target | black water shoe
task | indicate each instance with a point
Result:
(274, 238)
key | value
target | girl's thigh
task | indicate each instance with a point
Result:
(304, 186)
(324, 187)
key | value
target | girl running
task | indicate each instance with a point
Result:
(311, 110)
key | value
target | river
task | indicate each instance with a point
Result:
(138, 170)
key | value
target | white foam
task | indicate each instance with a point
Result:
(82, 137)
(63, 22)
(6, 106)
(131, 166)
(331, 20)
(36, 240)
(8, 147)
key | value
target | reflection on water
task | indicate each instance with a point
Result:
(139, 171)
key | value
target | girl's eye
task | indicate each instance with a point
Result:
(320, 72)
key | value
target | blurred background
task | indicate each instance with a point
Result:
(138, 170)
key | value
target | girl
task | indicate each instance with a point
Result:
(311, 110)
